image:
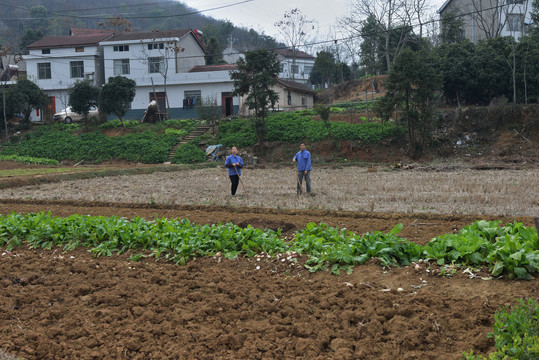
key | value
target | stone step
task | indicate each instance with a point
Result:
(200, 130)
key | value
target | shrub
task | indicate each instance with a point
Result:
(29, 160)
(116, 123)
(175, 132)
(146, 147)
(189, 154)
(239, 132)
(516, 332)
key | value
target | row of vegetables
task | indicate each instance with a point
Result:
(510, 249)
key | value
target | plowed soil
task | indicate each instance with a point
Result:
(56, 305)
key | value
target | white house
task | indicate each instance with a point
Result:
(490, 18)
(56, 63)
(175, 56)
(294, 66)
(149, 58)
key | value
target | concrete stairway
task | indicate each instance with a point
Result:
(200, 130)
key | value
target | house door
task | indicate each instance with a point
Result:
(49, 110)
(227, 104)
(161, 102)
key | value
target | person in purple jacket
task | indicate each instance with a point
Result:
(234, 163)
(303, 167)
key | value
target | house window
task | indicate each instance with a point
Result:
(156, 46)
(121, 48)
(289, 97)
(514, 22)
(121, 67)
(45, 51)
(44, 70)
(295, 69)
(514, 1)
(155, 64)
(77, 69)
(79, 49)
(303, 101)
(191, 98)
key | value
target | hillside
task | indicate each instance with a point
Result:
(354, 90)
(57, 17)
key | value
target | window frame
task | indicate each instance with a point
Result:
(76, 69)
(121, 67)
(155, 64)
(44, 71)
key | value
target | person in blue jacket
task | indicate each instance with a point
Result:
(234, 163)
(303, 167)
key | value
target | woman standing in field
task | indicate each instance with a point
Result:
(234, 163)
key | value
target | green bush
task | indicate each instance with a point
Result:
(176, 132)
(29, 160)
(146, 147)
(188, 154)
(116, 123)
(184, 124)
(239, 132)
(516, 333)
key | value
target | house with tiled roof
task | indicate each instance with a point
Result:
(295, 65)
(55, 63)
(167, 66)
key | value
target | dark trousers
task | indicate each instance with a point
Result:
(307, 177)
(235, 180)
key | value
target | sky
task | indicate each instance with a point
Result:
(261, 15)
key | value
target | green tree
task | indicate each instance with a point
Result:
(30, 36)
(82, 95)
(452, 28)
(371, 48)
(458, 71)
(256, 76)
(214, 52)
(493, 73)
(527, 71)
(24, 97)
(39, 18)
(116, 96)
(412, 83)
(323, 70)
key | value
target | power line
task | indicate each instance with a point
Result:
(106, 16)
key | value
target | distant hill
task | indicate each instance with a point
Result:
(27, 20)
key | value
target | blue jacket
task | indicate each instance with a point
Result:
(231, 159)
(303, 159)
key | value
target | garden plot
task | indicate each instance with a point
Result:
(500, 192)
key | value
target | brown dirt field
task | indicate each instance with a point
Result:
(56, 305)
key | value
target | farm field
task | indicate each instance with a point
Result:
(67, 305)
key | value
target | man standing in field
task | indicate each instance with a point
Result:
(303, 167)
(234, 163)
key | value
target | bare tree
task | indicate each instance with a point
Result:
(167, 49)
(388, 15)
(415, 11)
(297, 30)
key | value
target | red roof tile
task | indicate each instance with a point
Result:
(68, 41)
(288, 53)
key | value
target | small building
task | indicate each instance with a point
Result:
(293, 96)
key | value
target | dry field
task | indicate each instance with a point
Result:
(493, 192)
(56, 305)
